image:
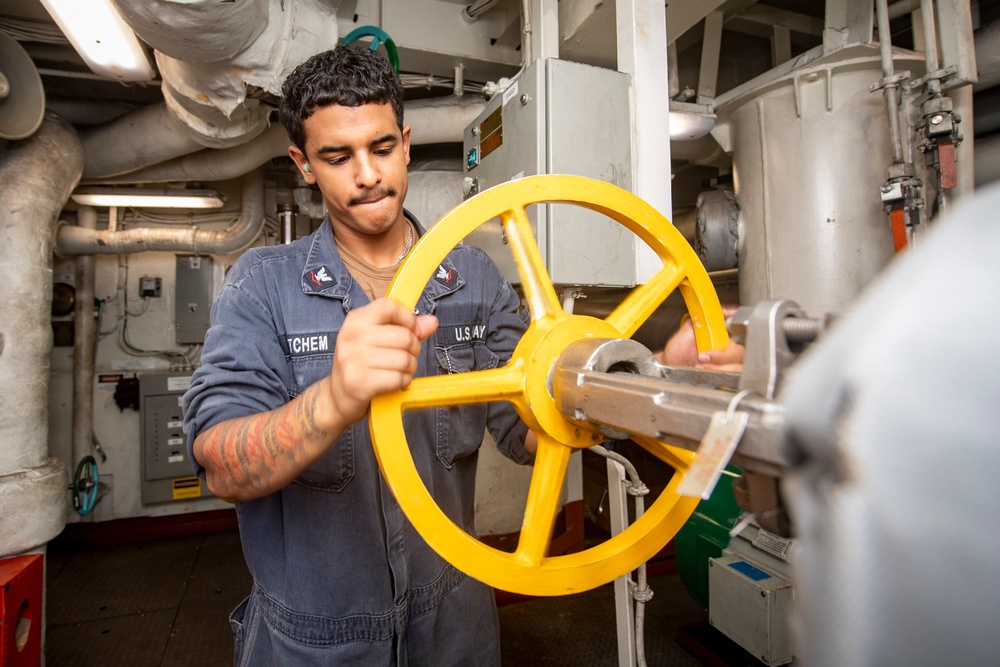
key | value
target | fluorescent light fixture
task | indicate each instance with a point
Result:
(148, 197)
(689, 121)
(102, 38)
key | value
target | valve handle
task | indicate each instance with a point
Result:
(523, 382)
(85, 486)
(378, 36)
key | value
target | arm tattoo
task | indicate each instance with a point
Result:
(246, 454)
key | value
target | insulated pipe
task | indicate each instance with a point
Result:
(212, 165)
(441, 120)
(201, 31)
(83, 345)
(36, 178)
(76, 241)
(147, 136)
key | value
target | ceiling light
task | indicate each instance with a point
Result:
(148, 197)
(689, 121)
(102, 38)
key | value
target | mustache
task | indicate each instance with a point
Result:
(371, 196)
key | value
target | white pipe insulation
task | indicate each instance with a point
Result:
(209, 53)
(432, 121)
(84, 334)
(72, 240)
(36, 178)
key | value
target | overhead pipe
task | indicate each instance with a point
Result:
(143, 137)
(209, 54)
(36, 178)
(433, 121)
(211, 165)
(72, 240)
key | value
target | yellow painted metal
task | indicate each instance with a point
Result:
(523, 382)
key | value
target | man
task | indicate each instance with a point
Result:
(301, 340)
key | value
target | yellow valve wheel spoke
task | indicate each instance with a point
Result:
(523, 382)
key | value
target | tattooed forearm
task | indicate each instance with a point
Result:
(255, 455)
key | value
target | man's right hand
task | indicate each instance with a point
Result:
(376, 352)
(249, 457)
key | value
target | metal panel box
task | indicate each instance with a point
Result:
(751, 606)
(167, 473)
(193, 304)
(558, 117)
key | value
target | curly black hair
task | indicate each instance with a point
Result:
(343, 75)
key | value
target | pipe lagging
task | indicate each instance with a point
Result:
(84, 332)
(36, 178)
(72, 240)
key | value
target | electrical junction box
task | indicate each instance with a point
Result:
(751, 606)
(167, 472)
(150, 287)
(193, 298)
(558, 117)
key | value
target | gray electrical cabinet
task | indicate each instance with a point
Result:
(193, 298)
(167, 474)
(559, 117)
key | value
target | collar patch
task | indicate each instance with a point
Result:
(445, 276)
(320, 276)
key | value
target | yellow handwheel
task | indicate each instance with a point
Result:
(523, 382)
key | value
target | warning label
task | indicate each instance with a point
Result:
(187, 487)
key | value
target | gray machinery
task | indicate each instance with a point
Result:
(534, 127)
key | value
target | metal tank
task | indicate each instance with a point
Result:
(810, 148)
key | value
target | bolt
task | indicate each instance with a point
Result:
(763, 594)
(936, 119)
(887, 188)
(475, 130)
(524, 99)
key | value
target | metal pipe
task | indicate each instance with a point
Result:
(930, 44)
(83, 345)
(890, 91)
(76, 241)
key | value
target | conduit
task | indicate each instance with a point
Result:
(72, 240)
(36, 177)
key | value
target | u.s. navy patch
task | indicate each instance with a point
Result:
(308, 344)
(462, 333)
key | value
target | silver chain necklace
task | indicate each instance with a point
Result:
(409, 240)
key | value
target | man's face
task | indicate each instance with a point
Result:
(358, 157)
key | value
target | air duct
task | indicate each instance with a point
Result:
(36, 177)
(72, 240)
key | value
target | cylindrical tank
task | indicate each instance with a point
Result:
(810, 151)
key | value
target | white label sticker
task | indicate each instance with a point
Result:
(178, 383)
(771, 543)
(175, 441)
(717, 447)
(176, 458)
(175, 424)
(510, 93)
